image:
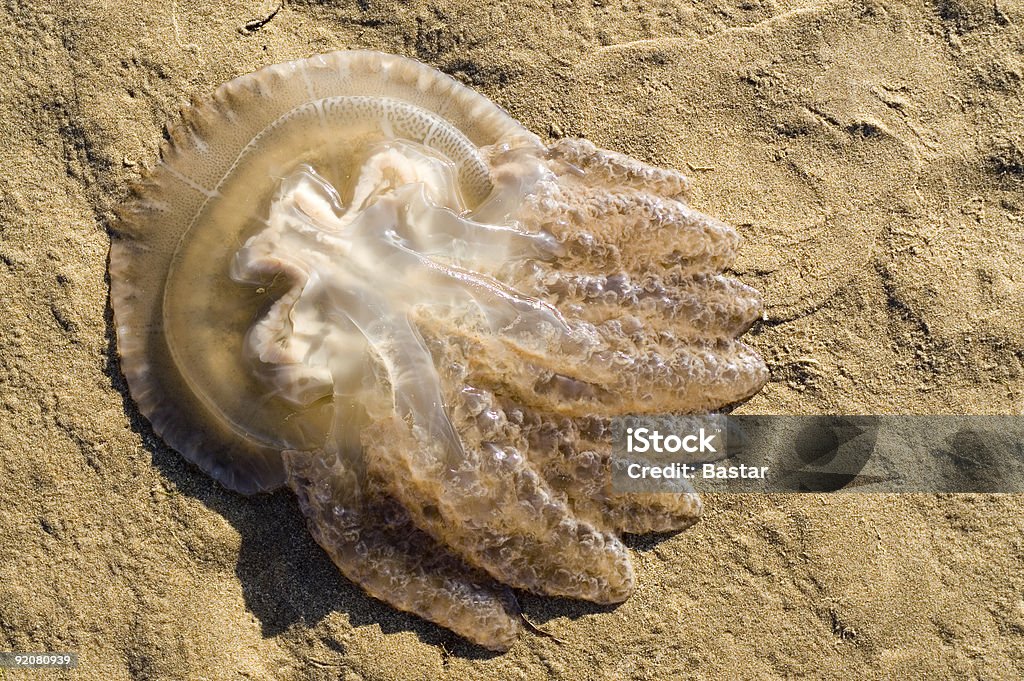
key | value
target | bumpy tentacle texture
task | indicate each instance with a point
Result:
(487, 349)
(383, 292)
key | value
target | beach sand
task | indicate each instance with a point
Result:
(872, 154)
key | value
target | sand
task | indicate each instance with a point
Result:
(872, 152)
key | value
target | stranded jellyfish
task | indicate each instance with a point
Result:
(354, 277)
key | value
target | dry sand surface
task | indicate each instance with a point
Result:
(871, 151)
